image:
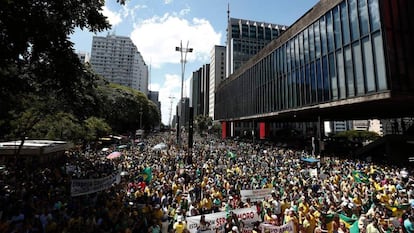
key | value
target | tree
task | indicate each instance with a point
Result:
(121, 107)
(62, 125)
(95, 128)
(357, 136)
(202, 123)
(37, 59)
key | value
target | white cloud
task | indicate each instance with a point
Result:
(129, 10)
(157, 37)
(114, 18)
(168, 1)
(169, 88)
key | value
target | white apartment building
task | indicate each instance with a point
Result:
(83, 57)
(118, 60)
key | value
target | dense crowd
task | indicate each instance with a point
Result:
(379, 197)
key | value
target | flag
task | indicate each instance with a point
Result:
(347, 220)
(360, 177)
(398, 211)
(147, 174)
(354, 227)
(231, 154)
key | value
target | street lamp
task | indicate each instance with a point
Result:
(183, 60)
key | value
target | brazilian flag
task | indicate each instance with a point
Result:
(147, 174)
(350, 223)
(360, 177)
(231, 155)
(347, 220)
(398, 211)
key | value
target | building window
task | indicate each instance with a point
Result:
(349, 71)
(358, 70)
(379, 61)
(363, 17)
(368, 65)
(345, 24)
(374, 15)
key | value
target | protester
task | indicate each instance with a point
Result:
(160, 189)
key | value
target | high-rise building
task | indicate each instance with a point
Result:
(217, 73)
(118, 60)
(83, 57)
(200, 86)
(245, 38)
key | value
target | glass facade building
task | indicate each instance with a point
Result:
(339, 50)
(245, 38)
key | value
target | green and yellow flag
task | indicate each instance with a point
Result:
(147, 174)
(360, 177)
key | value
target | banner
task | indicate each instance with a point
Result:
(255, 194)
(87, 186)
(287, 228)
(246, 216)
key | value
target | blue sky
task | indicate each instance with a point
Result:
(157, 26)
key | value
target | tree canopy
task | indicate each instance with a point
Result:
(46, 92)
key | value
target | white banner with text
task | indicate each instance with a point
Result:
(86, 186)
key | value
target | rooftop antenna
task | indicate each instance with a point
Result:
(228, 11)
(228, 20)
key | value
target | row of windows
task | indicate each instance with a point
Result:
(338, 56)
(254, 32)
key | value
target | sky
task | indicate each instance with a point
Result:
(158, 26)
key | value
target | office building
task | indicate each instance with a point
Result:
(245, 38)
(343, 59)
(217, 74)
(200, 86)
(117, 59)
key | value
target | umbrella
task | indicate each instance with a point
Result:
(160, 146)
(105, 149)
(114, 155)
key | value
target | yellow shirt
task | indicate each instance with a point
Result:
(179, 227)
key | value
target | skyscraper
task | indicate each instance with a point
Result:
(217, 73)
(245, 38)
(118, 60)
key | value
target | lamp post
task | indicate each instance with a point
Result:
(183, 60)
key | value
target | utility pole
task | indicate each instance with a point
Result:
(183, 60)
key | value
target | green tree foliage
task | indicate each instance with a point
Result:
(357, 136)
(62, 126)
(202, 123)
(123, 108)
(95, 128)
(37, 58)
(46, 92)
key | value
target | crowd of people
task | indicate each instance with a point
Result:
(160, 189)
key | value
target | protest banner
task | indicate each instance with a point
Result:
(255, 194)
(286, 228)
(246, 216)
(86, 186)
